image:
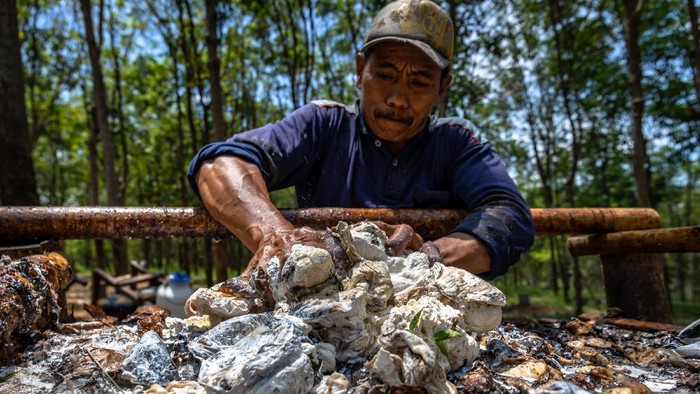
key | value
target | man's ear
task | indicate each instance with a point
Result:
(359, 66)
(445, 83)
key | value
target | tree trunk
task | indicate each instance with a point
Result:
(578, 287)
(695, 45)
(566, 56)
(117, 100)
(171, 40)
(562, 258)
(636, 284)
(214, 64)
(539, 136)
(457, 23)
(208, 259)
(193, 58)
(217, 111)
(17, 181)
(644, 273)
(95, 183)
(99, 93)
(554, 274)
(632, 19)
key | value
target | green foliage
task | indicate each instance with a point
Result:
(7, 377)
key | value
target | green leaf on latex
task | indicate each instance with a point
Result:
(445, 334)
(7, 377)
(414, 322)
(443, 349)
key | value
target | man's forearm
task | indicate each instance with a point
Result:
(234, 192)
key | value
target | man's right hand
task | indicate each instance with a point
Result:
(253, 284)
(279, 245)
(235, 194)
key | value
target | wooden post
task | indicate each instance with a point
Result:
(633, 277)
(633, 268)
(636, 284)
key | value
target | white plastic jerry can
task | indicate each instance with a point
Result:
(173, 294)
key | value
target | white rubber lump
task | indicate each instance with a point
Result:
(398, 320)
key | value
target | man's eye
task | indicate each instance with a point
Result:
(421, 84)
(385, 76)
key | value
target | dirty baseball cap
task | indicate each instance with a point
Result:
(420, 23)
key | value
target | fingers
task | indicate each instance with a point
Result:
(238, 287)
(280, 245)
(258, 258)
(432, 251)
(401, 238)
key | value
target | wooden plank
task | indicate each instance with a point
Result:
(631, 324)
(25, 225)
(129, 280)
(16, 252)
(634, 324)
(661, 240)
(105, 277)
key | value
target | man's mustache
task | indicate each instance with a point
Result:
(393, 115)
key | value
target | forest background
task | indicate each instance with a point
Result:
(590, 103)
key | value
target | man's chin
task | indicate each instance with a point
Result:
(392, 127)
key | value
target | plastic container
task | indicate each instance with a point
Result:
(173, 293)
(119, 306)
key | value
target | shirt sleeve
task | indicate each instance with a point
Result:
(292, 141)
(498, 215)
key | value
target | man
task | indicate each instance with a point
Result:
(386, 151)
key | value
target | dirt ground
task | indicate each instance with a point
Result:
(77, 296)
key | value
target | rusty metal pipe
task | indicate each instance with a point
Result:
(26, 225)
(660, 240)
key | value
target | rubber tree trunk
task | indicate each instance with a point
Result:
(695, 45)
(99, 95)
(217, 111)
(636, 284)
(632, 21)
(17, 182)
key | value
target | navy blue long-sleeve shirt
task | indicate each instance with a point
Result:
(325, 150)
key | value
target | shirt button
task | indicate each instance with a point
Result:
(377, 143)
(395, 162)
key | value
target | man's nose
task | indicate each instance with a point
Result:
(398, 96)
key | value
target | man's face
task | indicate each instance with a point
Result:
(400, 86)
